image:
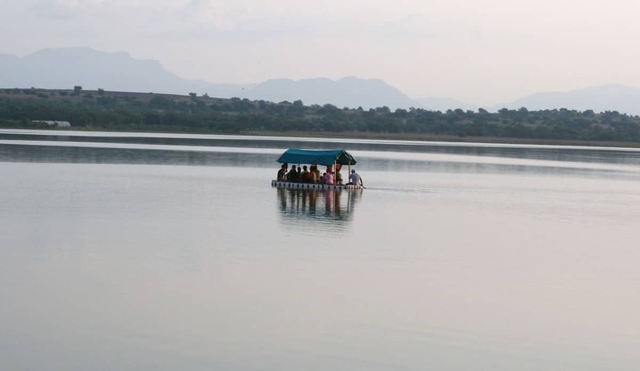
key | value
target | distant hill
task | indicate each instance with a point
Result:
(611, 97)
(349, 92)
(92, 69)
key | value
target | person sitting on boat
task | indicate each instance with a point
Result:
(329, 178)
(355, 179)
(323, 178)
(305, 177)
(292, 175)
(282, 173)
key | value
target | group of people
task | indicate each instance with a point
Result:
(312, 175)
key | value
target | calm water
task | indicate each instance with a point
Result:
(172, 252)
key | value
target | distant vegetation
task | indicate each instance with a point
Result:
(116, 111)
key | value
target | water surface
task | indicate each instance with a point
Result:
(166, 252)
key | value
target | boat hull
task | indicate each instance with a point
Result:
(292, 185)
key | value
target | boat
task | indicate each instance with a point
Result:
(333, 159)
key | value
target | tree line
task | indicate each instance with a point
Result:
(100, 110)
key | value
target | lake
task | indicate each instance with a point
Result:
(123, 251)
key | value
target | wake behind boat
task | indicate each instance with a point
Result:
(309, 177)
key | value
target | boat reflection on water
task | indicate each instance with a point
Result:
(318, 210)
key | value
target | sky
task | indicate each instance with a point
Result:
(481, 52)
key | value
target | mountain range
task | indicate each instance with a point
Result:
(610, 97)
(67, 67)
(92, 69)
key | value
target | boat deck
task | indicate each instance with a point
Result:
(292, 185)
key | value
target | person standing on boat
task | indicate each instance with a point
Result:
(337, 176)
(282, 173)
(355, 179)
(317, 172)
(313, 176)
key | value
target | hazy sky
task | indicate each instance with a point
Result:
(478, 51)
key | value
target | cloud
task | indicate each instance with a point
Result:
(64, 9)
(223, 15)
(330, 17)
(238, 19)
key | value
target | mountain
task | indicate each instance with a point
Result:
(611, 97)
(92, 69)
(444, 104)
(349, 92)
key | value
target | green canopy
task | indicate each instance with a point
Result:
(303, 156)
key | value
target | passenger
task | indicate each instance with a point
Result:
(292, 175)
(313, 176)
(315, 170)
(323, 178)
(305, 176)
(355, 179)
(282, 173)
(299, 174)
(337, 175)
(329, 178)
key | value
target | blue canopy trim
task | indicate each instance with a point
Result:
(303, 156)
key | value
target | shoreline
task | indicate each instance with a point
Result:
(356, 135)
(442, 138)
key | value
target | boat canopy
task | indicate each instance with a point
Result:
(304, 156)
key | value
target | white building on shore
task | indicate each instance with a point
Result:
(60, 124)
